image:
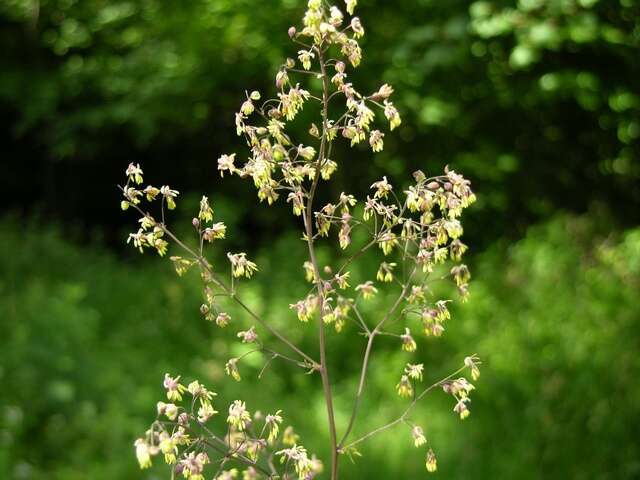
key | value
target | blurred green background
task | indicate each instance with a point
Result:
(536, 101)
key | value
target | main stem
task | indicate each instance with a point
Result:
(308, 223)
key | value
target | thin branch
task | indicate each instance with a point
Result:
(404, 415)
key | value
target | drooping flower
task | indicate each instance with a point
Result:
(404, 387)
(206, 212)
(472, 363)
(385, 272)
(367, 289)
(134, 173)
(305, 57)
(143, 453)
(231, 367)
(418, 436)
(169, 196)
(241, 266)
(239, 417)
(174, 388)
(414, 370)
(392, 115)
(431, 462)
(351, 5)
(225, 163)
(273, 424)
(248, 336)
(408, 343)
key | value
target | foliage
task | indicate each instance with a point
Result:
(558, 332)
(558, 320)
(536, 101)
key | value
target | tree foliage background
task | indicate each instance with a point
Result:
(537, 101)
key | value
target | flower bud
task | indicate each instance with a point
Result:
(255, 95)
(290, 62)
(340, 66)
(195, 222)
(292, 32)
(204, 309)
(183, 419)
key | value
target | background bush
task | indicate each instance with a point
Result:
(537, 102)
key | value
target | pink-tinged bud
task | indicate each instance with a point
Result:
(340, 66)
(183, 419)
(195, 222)
(292, 32)
(448, 186)
(433, 185)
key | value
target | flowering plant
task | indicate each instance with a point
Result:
(417, 231)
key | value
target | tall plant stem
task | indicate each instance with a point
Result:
(308, 223)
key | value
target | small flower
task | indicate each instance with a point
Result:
(431, 462)
(273, 423)
(414, 371)
(225, 163)
(216, 231)
(408, 343)
(199, 391)
(387, 242)
(168, 447)
(304, 308)
(192, 465)
(461, 408)
(143, 453)
(385, 272)
(205, 412)
(382, 188)
(404, 387)
(367, 289)
(305, 57)
(461, 274)
(392, 115)
(248, 336)
(169, 196)
(151, 193)
(418, 436)
(472, 363)
(351, 5)
(342, 280)
(174, 388)
(231, 367)
(241, 266)
(384, 92)
(457, 249)
(168, 409)
(222, 319)
(289, 436)
(336, 16)
(309, 272)
(239, 416)
(306, 152)
(247, 107)
(134, 173)
(206, 212)
(356, 26)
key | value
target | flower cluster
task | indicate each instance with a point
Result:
(414, 235)
(182, 434)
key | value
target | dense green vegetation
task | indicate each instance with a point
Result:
(554, 315)
(536, 101)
